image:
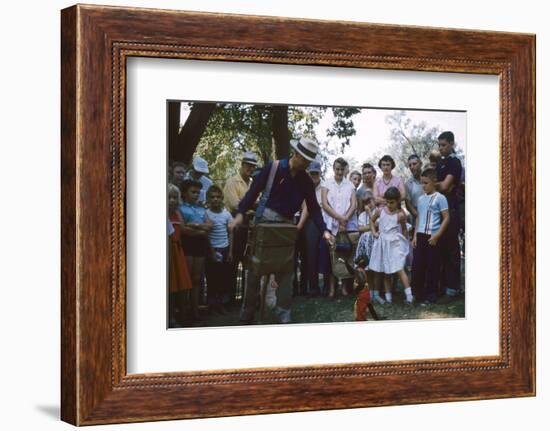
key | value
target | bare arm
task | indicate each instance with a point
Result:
(378, 199)
(402, 219)
(446, 185)
(373, 219)
(230, 238)
(352, 206)
(437, 236)
(191, 229)
(410, 207)
(206, 226)
(402, 189)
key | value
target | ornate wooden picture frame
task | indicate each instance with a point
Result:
(96, 42)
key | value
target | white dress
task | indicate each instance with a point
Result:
(390, 249)
(339, 199)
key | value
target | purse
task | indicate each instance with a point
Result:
(341, 256)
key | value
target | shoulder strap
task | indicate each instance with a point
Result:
(267, 191)
(427, 227)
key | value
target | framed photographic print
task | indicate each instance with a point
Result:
(324, 214)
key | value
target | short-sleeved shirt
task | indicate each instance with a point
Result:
(450, 166)
(429, 212)
(218, 235)
(339, 198)
(206, 183)
(234, 190)
(414, 190)
(192, 213)
(382, 186)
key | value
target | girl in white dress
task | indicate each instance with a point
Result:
(390, 248)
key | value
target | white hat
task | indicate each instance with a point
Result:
(200, 165)
(306, 147)
(251, 158)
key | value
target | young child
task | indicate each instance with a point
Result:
(218, 268)
(390, 248)
(365, 243)
(367, 206)
(432, 220)
(195, 230)
(179, 280)
(434, 157)
(362, 256)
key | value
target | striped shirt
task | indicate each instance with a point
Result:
(429, 212)
(218, 235)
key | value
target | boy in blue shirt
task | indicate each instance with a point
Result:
(431, 222)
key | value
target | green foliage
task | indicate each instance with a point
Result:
(408, 138)
(234, 128)
(343, 127)
(302, 120)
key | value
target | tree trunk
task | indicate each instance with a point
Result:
(174, 113)
(182, 145)
(281, 136)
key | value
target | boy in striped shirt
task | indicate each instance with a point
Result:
(431, 222)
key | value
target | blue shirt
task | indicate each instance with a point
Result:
(429, 212)
(206, 183)
(192, 213)
(218, 235)
(287, 193)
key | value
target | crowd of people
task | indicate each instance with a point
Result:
(393, 228)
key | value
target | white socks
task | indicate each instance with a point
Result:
(388, 297)
(378, 298)
(408, 294)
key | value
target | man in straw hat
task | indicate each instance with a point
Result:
(237, 186)
(234, 190)
(284, 187)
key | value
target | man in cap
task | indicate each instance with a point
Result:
(198, 173)
(237, 186)
(234, 190)
(291, 185)
(309, 238)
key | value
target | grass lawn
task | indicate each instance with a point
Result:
(323, 310)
